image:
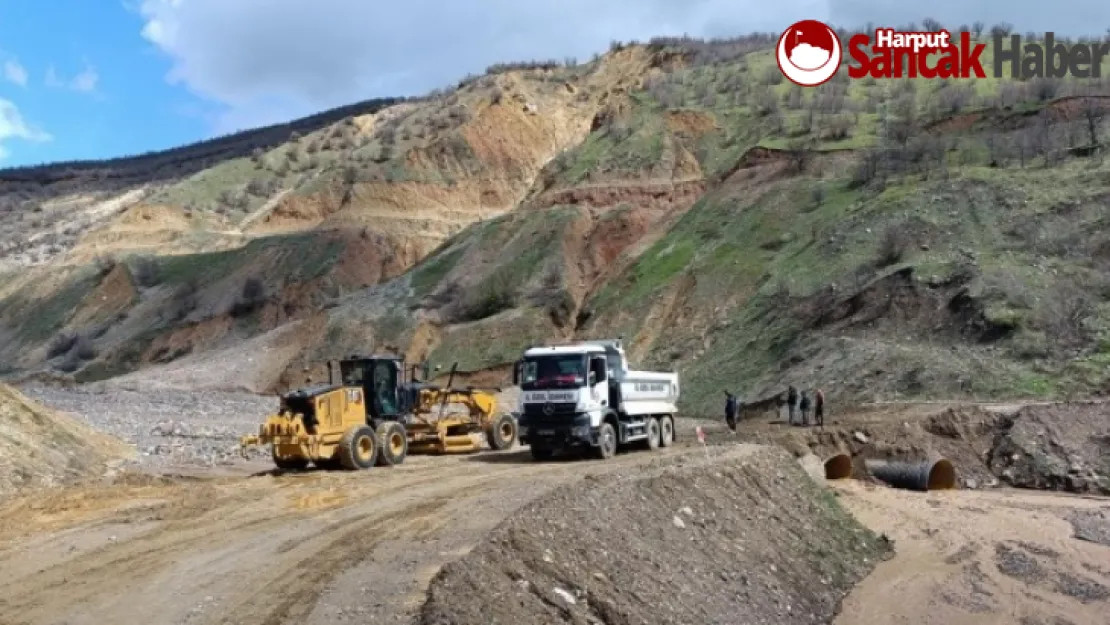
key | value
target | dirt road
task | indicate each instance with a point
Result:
(308, 548)
(982, 558)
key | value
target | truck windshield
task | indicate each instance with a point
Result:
(554, 372)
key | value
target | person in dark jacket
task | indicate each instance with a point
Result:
(791, 403)
(819, 407)
(731, 408)
(803, 405)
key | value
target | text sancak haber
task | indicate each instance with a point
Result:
(896, 54)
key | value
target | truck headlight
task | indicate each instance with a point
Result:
(580, 430)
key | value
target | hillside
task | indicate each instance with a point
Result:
(906, 238)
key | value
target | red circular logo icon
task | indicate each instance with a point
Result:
(809, 53)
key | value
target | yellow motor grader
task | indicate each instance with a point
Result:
(373, 416)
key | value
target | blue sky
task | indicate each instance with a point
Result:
(91, 82)
(89, 79)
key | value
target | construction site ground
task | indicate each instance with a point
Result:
(236, 543)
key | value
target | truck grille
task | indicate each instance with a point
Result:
(559, 411)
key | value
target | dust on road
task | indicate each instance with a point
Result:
(313, 548)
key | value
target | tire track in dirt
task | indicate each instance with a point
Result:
(264, 550)
(291, 596)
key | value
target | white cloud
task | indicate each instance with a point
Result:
(86, 81)
(268, 60)
(13, 126)
(52, 79)
(806, 56)
(15, 73)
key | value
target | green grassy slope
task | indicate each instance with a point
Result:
(904, 238)
(961, 218)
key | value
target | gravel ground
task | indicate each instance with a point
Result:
(1092, 526)
(168, 428)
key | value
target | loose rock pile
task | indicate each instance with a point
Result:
(166, 427)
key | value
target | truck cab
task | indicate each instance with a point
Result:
(582, 395)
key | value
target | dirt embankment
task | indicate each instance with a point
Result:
(1059, 446)
(747, 538)
(39, 447)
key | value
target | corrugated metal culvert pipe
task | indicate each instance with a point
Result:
(838, 467)
(936, 474)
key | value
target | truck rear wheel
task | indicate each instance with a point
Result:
(502, 433)
(653, 434)
(606, 442)
(358, 449)
(666, 431)
(394, 444)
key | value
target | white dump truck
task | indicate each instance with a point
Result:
(582, 395)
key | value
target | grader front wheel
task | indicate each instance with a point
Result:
(359, 448)
(288, 463)
(394, 444)
(502, 433)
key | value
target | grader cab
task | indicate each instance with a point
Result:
(372, 416)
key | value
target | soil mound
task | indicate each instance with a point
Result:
(1061, 446)
(746, 537)
(39, 447)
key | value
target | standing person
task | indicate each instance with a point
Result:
(804, 405)
(819, 408)
(730, 411)
(791, 402)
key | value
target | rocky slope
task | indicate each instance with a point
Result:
(900, 238)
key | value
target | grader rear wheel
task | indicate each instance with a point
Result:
(394, 444)
(502, 433)
(359, 448)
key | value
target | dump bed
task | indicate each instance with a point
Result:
(649, 393)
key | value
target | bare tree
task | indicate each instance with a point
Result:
(1001, 29)
(1093, 113)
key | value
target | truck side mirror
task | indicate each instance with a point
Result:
(516, 373)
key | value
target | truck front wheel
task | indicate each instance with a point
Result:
(606, 442)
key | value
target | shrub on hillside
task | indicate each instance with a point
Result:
(61, 344)
(184, 301)
(83, 348)
(252, 296)
(145, 271)
(894, 246)
(494, 295)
